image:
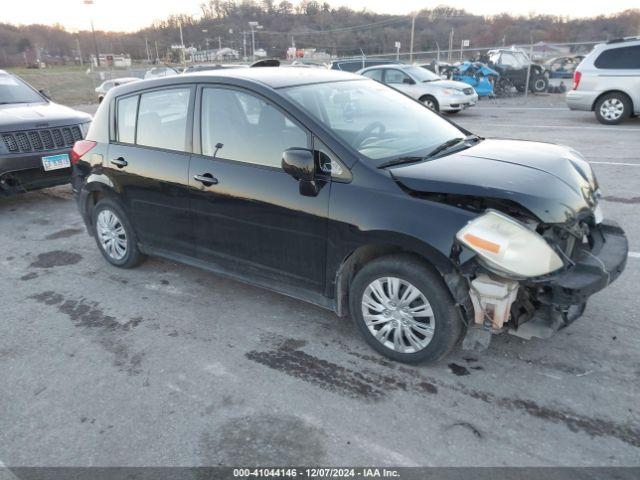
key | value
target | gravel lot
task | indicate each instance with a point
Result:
(170, 365)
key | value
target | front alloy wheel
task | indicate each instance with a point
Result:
(398, 315)
(403, 309)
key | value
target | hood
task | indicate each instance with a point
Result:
(449, 84)
(23, 116)
(551, 181)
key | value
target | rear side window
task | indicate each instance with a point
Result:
(126, 119)
(162, 119)
(394, 76)
(623, 58)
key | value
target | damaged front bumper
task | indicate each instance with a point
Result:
(540, 307)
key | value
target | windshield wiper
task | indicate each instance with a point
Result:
(452, 143)
(400, 161)
(436, 151)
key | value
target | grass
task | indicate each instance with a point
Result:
(68, 85)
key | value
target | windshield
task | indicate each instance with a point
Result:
(14, 90)
(377, 121)
(420, 74)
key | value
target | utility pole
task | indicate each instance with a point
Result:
(526, 85)
(157, 54)
(413, 32)
(146, 43)
(184, 59)
(244, 45)
(93, 31)
(79, 51)
(450, 45)
(254, 26)
(219, 42)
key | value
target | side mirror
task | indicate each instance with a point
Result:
(408, 81)
(300, 163)
(45, 94)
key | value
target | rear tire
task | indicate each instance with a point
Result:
(382, 291)
(116, 238)
(613, 108)
(539, 84)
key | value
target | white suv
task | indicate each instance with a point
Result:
(607, 81)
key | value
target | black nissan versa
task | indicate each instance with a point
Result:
(36, 136)
(340, 191)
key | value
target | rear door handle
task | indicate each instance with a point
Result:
(206, 179)
(119, 162)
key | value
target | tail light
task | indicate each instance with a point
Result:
(80, 148)
(576, 79)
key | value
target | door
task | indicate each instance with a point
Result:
(148, 164)
(249, 216)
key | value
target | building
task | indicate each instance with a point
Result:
(121, 60)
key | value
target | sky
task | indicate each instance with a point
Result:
(130, 15)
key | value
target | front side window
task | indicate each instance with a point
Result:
(624, 58)
(393, 76)
(162, 119)
(126, 119)
(374, 74)
(240, 126)
(379, 122)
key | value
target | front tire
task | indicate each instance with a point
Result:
(431, 103)
(539, 84)
(116, 239)
(612, 108)
(404, 310)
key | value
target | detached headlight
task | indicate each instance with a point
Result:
(509, 246)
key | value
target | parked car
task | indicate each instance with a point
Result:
(354, 64)
(607, 81)
(107, 85)
(160, 72)
(36, 136)
(512, 65)
(340, 191)
(563, 67)
(440, 95)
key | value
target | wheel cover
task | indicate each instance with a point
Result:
(111, 235)
(612, 109)
(539, 85)
(398, 315)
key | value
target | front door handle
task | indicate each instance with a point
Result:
(206, 179)
(119, 162)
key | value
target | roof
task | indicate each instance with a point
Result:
(279, 77)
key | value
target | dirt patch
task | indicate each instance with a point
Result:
(108, 330)
(66, 233)
(29, 276)
(56, 258)
(288, 359)
(264, 439)
(458, 370)
(629, 201)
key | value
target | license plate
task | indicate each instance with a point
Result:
(55, 162)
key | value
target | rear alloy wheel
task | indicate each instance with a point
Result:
(114, 235)
(431, 103)
(612, 108)
(404, 310)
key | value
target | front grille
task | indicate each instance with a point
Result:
(42, 139)
(467, 91)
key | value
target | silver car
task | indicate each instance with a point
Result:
(107, 85)
(417, 82)
(607, 81)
